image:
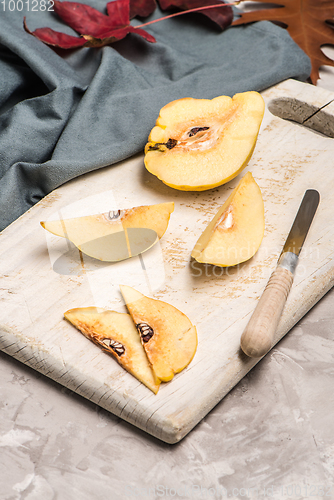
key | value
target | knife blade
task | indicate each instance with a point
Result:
(258, 336)
(120, 245)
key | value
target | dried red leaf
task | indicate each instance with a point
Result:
(96, 29)
(142, 8)
(119, 13)
(307, 21)
(83, 18)
(54, 38)
(115, 36)
(223, 16)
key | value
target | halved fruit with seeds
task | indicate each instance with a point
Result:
(167, 335)
(235, 233)
(90, 233)
(198, 144)
(116, 334)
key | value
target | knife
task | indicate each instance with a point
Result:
(258, 336)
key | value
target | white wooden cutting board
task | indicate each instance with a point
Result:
(42, 276)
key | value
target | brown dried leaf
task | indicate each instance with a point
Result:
(309, 23)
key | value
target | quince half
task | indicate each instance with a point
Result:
(235, 233)
(167, 335)
(199, 144)
(117, 335)
(94, 228)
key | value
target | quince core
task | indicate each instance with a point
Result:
(167, 335)
(198, 144)
(235, 233)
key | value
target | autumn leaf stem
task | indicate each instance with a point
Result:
(198, 9)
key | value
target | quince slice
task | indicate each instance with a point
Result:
(117, 335)
(93, 228)
(199, 144)
(167, 335)
(235, 233)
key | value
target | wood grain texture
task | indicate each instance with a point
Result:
(258, 336)
(42, 276)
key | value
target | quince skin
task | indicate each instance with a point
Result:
(235, 233)
(199, 144)
(167, 335)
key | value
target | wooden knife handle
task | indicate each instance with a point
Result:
(258, 336)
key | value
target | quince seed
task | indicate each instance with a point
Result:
(117, 347)
(160, 146)
(171, 143)
(146, 332)
(114, 214)
(195, 130)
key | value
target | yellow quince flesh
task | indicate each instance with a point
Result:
(90, 228)
(167, 335)
(116, 334)
(235, 233)
(199, 144)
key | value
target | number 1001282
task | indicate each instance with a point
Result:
(27, 5)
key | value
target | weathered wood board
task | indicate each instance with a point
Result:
(42, 275)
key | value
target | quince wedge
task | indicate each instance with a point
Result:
(235, 233)
(116, 334)
(198, 144)
(94, 228)
(167, 335)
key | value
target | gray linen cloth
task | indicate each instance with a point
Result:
(63, 114)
